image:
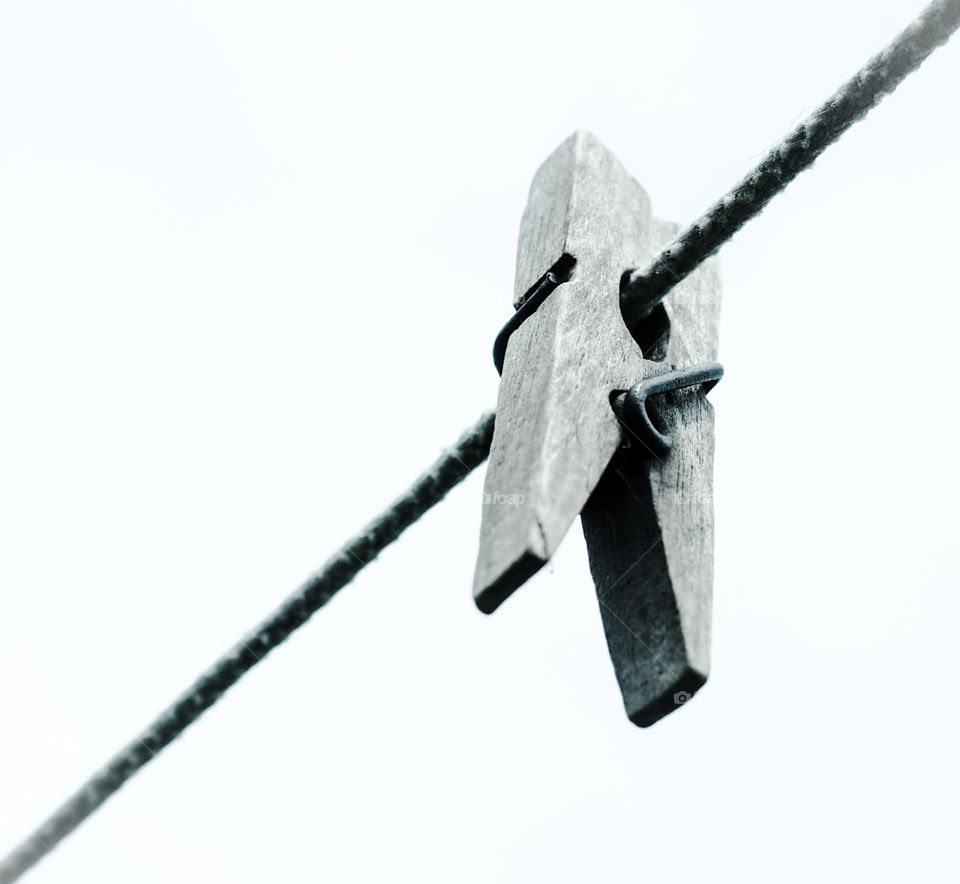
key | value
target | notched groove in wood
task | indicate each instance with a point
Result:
(653, 334)
(562, 270)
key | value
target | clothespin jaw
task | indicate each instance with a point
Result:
(649, 526)
(555, 431)
(559, 447)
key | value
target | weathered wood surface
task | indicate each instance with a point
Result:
(556, 433)
(649, 529)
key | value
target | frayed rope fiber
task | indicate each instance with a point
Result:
(642, 290)
(449, 470)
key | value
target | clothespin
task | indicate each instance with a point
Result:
(608, 423)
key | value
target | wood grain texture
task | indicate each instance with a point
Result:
(558, 448)
(556, 432)
(649, 528)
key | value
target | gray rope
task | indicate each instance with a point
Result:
(450, 469)
(640, 292)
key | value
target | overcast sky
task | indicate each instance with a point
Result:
(254, 257)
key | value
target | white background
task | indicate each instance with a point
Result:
(253, 260)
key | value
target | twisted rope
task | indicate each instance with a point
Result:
(450, 469)
(640, 292)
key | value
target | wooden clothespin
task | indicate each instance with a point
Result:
(592, 419)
